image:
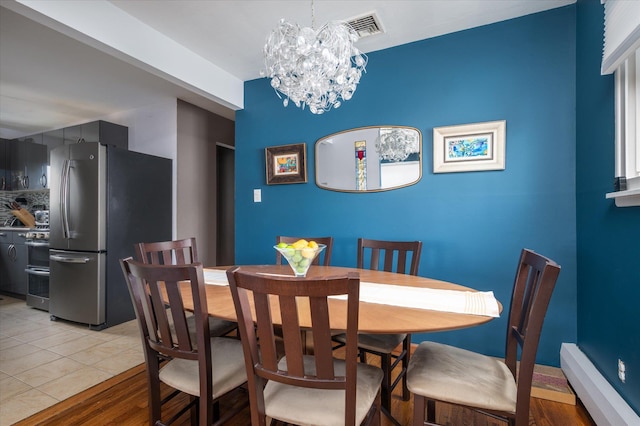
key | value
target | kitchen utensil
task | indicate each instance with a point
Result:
(25, 217)
(42, 217)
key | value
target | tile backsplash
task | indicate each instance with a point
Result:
(34, 201)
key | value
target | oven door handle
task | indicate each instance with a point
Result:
(68, 259)
(39, 272)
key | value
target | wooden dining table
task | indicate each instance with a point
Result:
(373, 317)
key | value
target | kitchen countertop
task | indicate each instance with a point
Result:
(16, 228)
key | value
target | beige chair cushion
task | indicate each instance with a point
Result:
(455, 375)
(320, 407)
(228, 369)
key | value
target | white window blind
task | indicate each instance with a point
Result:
(627, 125)
(621, 32)
(621, 55)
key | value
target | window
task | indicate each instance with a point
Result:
(627, 111)
(621, 55)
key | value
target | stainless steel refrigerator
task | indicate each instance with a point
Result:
(103, 200)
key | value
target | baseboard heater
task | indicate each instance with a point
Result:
(601, 400)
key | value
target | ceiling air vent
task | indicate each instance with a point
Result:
(366, 25)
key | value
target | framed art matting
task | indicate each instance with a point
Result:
(286, 164)
(469, 147)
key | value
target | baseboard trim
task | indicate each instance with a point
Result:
(601, 400)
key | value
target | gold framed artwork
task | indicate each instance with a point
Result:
(469, 147)
(286, 164)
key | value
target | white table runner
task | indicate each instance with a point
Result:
(215, 277)
(465, 302)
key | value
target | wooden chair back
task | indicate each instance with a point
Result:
(405, 253)
(177, 252)
(323, 258)
(281, 298)
(165, 332)
(180, 252)
(535, 280)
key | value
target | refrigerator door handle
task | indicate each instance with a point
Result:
(69, 259)
(64, 198)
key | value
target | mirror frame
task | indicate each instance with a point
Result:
(355, 129)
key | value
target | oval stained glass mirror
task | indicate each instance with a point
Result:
(368, 159)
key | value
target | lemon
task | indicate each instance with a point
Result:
(300, 244)
(313, 244)
(308, 252)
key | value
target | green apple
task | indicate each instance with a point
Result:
(304, 262)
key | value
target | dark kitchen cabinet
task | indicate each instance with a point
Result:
(98, 131)
(51, 139)
(6, 239)
(24, 162)
(40, 170)
(72, 134)
(28, 158)
(5, 171)
(36, 161)
(13, 262)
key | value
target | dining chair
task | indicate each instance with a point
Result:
(325, 255)
(180, 252)
(299, 388)
(499, 388)
(205, 367)
(402, 257)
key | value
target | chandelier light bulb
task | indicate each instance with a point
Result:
(315, 69)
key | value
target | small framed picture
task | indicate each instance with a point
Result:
(469, 147)
(286, 164)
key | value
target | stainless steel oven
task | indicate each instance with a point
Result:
(38, 269)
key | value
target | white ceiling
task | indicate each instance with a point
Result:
(67, 62)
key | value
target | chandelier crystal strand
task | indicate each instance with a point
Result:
(315, 69)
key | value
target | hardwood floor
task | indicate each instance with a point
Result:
(122, 401)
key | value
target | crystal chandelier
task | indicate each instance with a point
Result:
(396, 144)
(318, 69)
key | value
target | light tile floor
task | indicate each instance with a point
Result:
(43, 362)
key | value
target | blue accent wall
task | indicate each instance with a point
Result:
(608, 249)
(474, 224)
(540, 73)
